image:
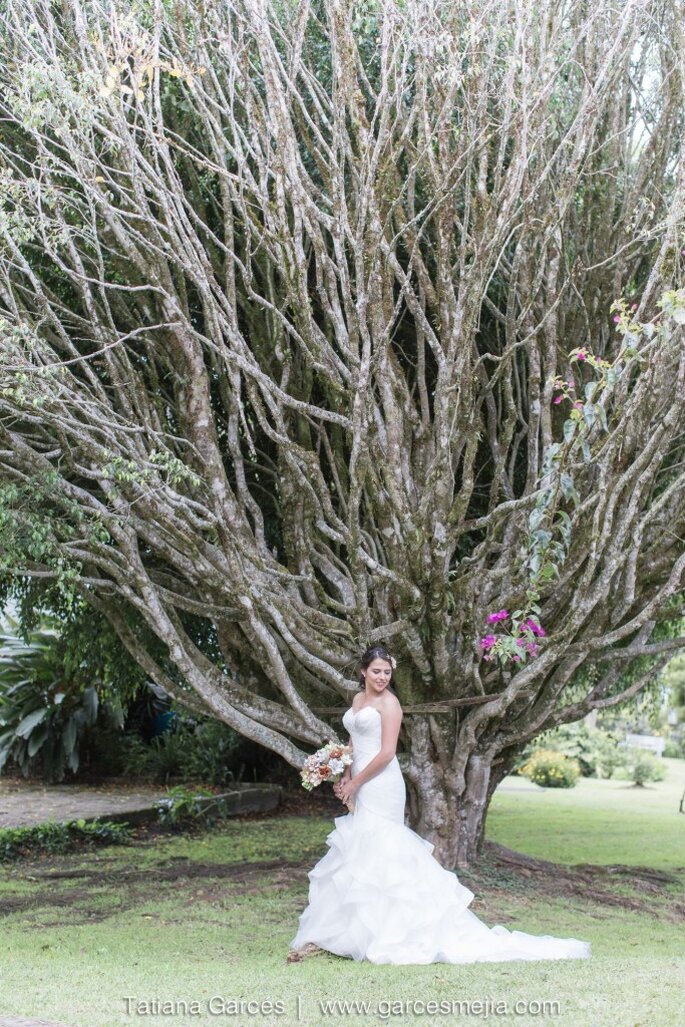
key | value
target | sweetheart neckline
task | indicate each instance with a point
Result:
(355, 712)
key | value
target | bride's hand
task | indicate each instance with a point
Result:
(346, 790)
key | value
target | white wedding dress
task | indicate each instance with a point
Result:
(378, 893)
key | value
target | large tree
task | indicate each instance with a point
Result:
(329, 323)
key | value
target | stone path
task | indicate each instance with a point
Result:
(24, 803)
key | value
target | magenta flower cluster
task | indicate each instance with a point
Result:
(530, 626)
(495, 618)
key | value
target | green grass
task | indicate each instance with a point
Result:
(134, 921)
(595, 822)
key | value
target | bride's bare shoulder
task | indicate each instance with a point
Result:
(391, 704)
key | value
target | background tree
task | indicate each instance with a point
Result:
(308, 344)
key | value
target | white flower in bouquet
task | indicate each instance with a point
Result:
(326, 764)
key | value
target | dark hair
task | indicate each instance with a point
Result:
(376, 652)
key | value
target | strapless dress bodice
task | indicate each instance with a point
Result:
(364, 728)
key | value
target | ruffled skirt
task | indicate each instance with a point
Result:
(378, 894)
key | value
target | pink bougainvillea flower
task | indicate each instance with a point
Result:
(577, 405)
(558, 399)
(581, 355)
(533, 648)
(487, 642)
(616, 319)
(520, 641)
(516, 659)
(571, 384)
(495, 618)
(536, 628)
(634, 306)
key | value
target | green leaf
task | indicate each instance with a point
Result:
(69, 736)
(569, 430)
(26, 726)
(589, 414)
(536, 518)
(567, 485)
(568, 488)
(37, 739)
(90, 703)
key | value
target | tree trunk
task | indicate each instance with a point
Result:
(445, 808)
(452, 819)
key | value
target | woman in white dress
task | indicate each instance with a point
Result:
(378, 893)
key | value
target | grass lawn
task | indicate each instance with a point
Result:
(595, 822)
(207, 920)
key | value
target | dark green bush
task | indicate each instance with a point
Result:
(17, 842)
(213, 754)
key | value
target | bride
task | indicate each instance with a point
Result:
(378, 893)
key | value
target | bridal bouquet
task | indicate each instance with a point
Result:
(326, 764)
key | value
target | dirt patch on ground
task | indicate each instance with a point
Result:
(637, 888)
(124, 888)
(103, 890)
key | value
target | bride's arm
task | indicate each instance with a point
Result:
(391, 721)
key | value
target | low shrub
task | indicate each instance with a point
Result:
(181, 805)
(214, 754)
(18, 842)
(598, 752)
(159, 760)
(551, 769)
(641, 766)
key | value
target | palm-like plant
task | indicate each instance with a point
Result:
(44, 708)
